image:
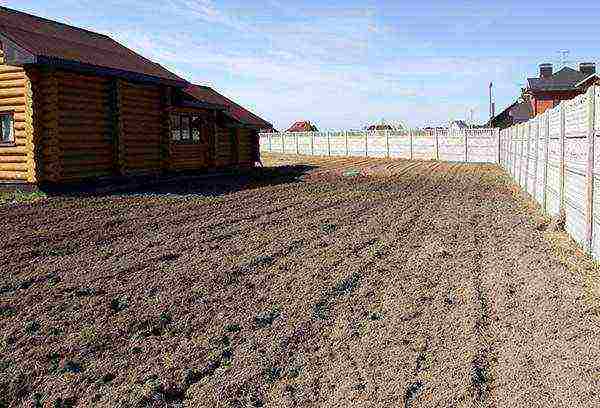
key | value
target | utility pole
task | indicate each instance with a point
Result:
(492, 108)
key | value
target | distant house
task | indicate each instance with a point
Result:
(517, 112)
(380, 126)
(77, 105)
(551, 87)
(458, 125)
(303, 126)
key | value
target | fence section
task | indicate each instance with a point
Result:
(465, 145)
(554, 159)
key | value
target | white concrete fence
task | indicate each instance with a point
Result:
(554, 158)
(466, 145)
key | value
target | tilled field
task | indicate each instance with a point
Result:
(334, 283)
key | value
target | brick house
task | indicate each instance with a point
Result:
(551, 87)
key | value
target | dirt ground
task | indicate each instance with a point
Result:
(318, 283)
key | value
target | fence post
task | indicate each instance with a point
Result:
(312, 144)
(347, 148)
(546, 154)
(562, 158)
(366, 144)
(466, 146)
(297, 148)
(387, 144)
(589, 208)
(437, 144)
(537, 153)
(410, 134)
(328, 145)
(497, 130)
(526, 185)
(283, 143)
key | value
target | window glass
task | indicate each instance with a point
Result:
(185, 128)
(196, 126)
(175, 127)
(6, 122)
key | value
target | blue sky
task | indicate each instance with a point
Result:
(343, 64)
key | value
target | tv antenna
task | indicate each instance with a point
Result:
(563, 58)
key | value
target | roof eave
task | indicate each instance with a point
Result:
(104, 71)
(583, 81)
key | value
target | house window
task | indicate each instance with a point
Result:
(7, 128)
(185, 127)
(196, 126)
(175, 127)
(190, 128)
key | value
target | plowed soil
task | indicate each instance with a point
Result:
(318, 283)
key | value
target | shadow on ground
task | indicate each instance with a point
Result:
(205, 184)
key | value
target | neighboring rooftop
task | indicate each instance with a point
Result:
(51, 42)
(235, 111)
(303, 126)
(566, 79)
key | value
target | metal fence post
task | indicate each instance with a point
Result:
(589, 208)
(497, 131)
(328, 145)
(367, 144)
(410, 134)
(297, 147)
(312, 144)
(283, 143)
(562, 158)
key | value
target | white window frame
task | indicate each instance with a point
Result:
(11, 137)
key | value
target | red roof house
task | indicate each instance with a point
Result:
(303, 126)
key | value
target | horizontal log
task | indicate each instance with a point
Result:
(88, 145)
(13, 159)
(83, 174)
(13, 167)
(13, 175)
(12, 150)
(10, 102)
(87, 154)
(98, 123)
(73, 78)
(142, 113)
(85, 116)
(8, 71)
(140, 90)
(92, 88)
(12, 93)
(141, 155)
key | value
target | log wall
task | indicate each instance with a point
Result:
(142, 126)
(16, 96)
(248, 146)
(84, 133)
(224, 146)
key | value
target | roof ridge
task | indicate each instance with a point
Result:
(47, 20)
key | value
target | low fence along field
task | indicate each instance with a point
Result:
(465, 145)
(554, 158)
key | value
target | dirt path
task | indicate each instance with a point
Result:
(359, 283)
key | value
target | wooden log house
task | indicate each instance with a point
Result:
(76, 105)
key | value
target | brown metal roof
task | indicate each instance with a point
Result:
(564, 80)
(237, 112)
(52, 42)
